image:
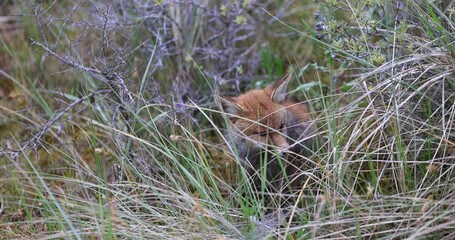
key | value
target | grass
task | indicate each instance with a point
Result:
(110, 126)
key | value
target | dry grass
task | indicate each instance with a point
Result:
(109, 127)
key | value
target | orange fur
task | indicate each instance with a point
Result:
(264, 119)
(258, 113)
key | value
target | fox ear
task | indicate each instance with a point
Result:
(230, 105)
(279, 89)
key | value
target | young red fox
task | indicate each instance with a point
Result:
(268, 128)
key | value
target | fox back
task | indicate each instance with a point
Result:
(268, 128)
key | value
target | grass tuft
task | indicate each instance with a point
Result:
(110, 124)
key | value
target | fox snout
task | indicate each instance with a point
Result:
(279, 141)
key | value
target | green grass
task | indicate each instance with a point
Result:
(85, 157)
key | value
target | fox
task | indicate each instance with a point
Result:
(267, 128)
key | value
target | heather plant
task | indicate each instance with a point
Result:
(110, 126)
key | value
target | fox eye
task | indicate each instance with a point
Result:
(281, 126)
(263, 133)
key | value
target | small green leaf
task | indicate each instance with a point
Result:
(346, 87)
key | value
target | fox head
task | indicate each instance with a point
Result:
(260, 114)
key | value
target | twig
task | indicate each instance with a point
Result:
(33, 141)
(78, 66)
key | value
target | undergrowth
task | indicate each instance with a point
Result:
(110, 124)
